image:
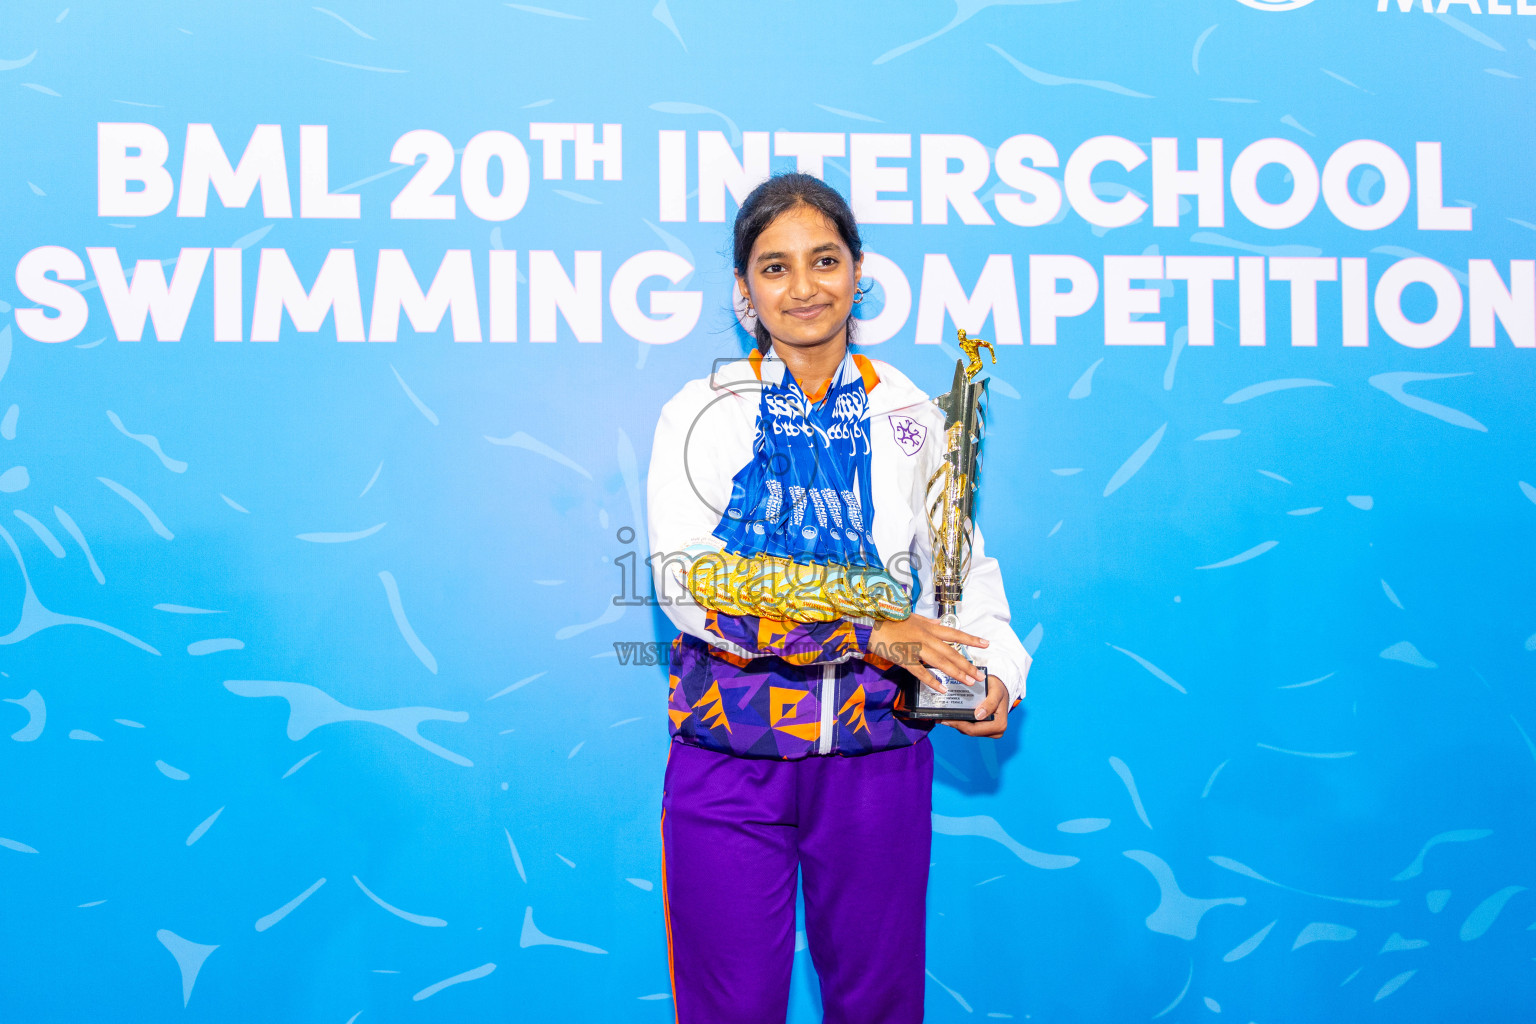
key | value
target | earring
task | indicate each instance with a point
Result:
(748, 300)
(858, 294)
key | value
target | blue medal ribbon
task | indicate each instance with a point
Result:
(805, 495)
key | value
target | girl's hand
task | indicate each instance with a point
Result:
(917, 641)
(997, 700)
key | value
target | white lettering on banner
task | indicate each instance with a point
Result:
(1199, 274)
(673, 314)
(587, 150)
(1389, 298)
(32, 280)
(1078, 180)
(672, 176)
(1470, 6)
(1044, 190)
(1047, 305)
(952, 170)
(1355, 301)
(1433, 214)
(943, 188)
(205, 163)
(395, 288)
(148, 296)
(609, 152)
(867, 179)
(810, 149)
(669, 315)
(1306, 185)
(721, 172)
(996, 293)
(1121, 300)
(1514, 307)
(1250, 301)
(419, 200)
(1018, 162)
(1207, 183)
(115, 168)
(554, 136)
(1395, 190)
(335, 291)
(315, 197)
(580, 300)
(228, 295)
(503, 292)
(475, 176)
(1303, 272)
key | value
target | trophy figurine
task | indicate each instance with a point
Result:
(951, 495)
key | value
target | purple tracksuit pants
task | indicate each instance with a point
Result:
(736, 831)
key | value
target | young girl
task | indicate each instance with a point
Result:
(788, 524)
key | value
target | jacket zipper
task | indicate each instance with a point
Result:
(828, 708)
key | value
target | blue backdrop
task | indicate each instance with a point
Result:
(314, 703)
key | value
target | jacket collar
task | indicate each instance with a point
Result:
(895, 391)
(889, 388)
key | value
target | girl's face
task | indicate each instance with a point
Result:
(801, 279)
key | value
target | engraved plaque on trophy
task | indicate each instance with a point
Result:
(951, 495)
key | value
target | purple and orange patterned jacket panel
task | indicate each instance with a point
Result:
(770, 705)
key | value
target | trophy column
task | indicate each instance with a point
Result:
(951, 497)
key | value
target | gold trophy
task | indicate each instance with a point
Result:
(951, 495)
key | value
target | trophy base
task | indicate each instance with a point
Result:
(957, 703)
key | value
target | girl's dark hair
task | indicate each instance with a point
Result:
(780, 194)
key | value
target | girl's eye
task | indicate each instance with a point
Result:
(773, 268)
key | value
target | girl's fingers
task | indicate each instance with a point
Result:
(947, 660)
(979, 729)
(959, 667)
(955, 636)
(927, 678)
